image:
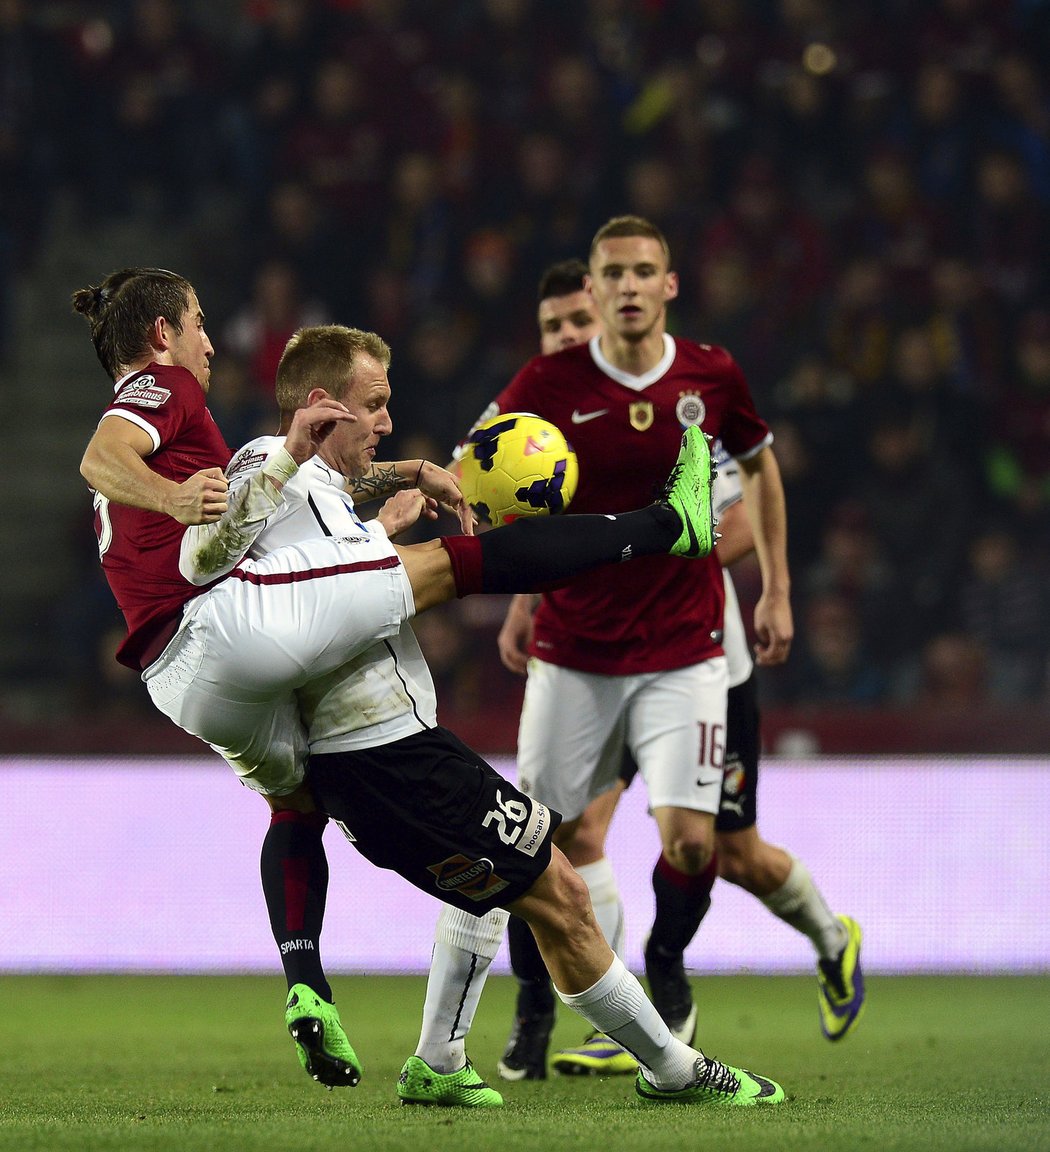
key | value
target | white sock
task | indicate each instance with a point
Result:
(799, 903)
(605, 898)
(617, 1006)
(464, 948)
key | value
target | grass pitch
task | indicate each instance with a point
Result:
(203, 1064)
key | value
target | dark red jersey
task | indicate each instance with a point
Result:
(658, 612)
(140, 549)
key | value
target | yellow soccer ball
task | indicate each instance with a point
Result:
(517, 464)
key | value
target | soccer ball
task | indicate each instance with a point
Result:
(517, 464)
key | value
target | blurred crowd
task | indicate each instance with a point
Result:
(857, 196)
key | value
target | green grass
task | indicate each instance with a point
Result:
(202, 1064)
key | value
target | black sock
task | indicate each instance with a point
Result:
(294, 872)
(535, 994)
(682, 902)
(545, 550)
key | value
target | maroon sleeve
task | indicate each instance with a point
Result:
(743, 429)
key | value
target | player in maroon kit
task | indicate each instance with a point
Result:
(568, 317)
(638, 660)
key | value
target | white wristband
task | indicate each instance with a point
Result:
(280, 468)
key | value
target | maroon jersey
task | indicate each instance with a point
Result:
(658, 612)
(140, 549)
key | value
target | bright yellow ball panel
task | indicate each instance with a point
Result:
(517, 464)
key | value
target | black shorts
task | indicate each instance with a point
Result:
(432, 810)
(738, 806)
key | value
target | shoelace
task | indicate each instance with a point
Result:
(664, 490)
(716, 1077)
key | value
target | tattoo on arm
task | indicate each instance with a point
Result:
(381, 480)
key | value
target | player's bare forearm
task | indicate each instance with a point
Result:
(384, 480)
(212, 550)
(114, 465)
(764, 503)
(431, 479)
(735, 537)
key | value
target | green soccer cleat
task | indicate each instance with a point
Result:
(324, 1051)
(596, 1056)
(688, 492)
(840, 986)
(420, 1084)
(715, 1083)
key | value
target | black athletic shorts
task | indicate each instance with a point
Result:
(431, 809)
(738, 808)
(739, 805)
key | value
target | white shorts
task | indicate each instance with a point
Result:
(230, 672)
(574, 726)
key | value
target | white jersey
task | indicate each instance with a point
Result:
(385, 693)
(726, 492)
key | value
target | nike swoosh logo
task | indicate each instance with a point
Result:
(579, 417)
(694, 547)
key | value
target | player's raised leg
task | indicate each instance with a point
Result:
(529, 554)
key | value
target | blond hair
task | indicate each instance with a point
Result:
(324, 356)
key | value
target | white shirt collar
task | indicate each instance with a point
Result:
(627, 379)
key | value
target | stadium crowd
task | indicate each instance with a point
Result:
(857, 195)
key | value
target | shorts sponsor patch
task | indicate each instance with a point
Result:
(535, 830)
(143, 392)
(734, 779)
(472, 878)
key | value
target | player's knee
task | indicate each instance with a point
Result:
(690, 853)
(586, 845)
(300, 800)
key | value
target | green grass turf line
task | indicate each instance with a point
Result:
(203, 1064)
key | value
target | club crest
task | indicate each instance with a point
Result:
(640, 413)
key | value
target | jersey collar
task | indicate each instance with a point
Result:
(635, 383)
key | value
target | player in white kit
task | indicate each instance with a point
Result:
(379, 762)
